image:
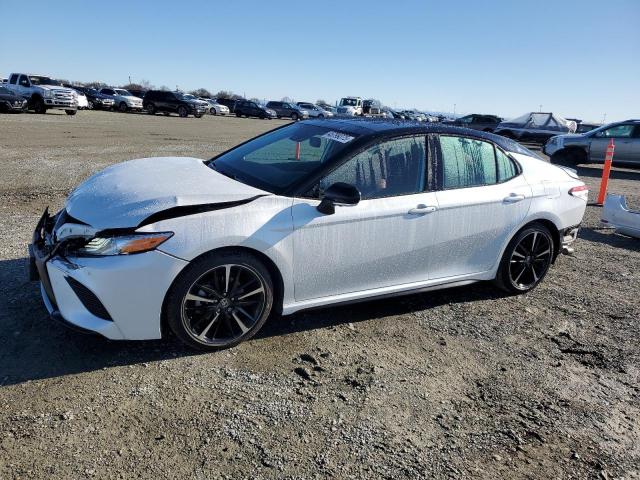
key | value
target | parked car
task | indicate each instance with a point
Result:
(227, 102)
(160, 101)
(216, 108)
(289, 110)
(414, 115)
(350, 106)
(203, 103)
(10, 102)
(43, 93)
(584, 127)
(371, 107)
(486, 123)
(137, 93)
(83, 102)
(328, 108)
(314, 111)
(535, 127)
(123, 100)
(311, 214)
(249, 108)
(592, 145)
(95, 99)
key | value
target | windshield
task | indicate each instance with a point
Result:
(349, 102)
(37, 80)
(122, 92)
(279, 159)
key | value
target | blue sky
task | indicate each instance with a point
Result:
(577, 58)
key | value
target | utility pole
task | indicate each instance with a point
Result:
(540, 108)
(129, 79)
(454, 110)
(604, 118)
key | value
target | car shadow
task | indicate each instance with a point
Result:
(618, 172)
(34, 347)
(608, 237)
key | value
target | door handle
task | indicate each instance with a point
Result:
(513, 198)
(422, 210)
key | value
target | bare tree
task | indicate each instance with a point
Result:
(164, 88)
(287, 99)
(201, 92)
(95, 84)
(255, 100)
(321, 102)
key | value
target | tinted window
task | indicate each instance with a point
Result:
(24, 81)
(617, 131)
(395, 167)
(467, 162)
(506, 167)
(279, 159)
(14, 79)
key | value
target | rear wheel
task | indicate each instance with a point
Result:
(220, 300)
(294, 117)
(526, 259)
(151, 109)
(123, 107)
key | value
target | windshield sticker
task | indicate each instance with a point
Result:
(338, 137)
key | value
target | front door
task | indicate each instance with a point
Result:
(482, 199)
(383, 241)
(623, 138)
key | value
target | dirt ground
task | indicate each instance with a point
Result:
(462, 383)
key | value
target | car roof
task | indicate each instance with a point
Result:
(391, 127)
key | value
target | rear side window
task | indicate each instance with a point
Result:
(467, 162)
(14, 79)
(506, 167)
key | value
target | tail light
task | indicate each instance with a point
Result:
(581, 192)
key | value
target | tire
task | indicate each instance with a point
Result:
(197, 115)
(294, 117)
(238, 114)
(91, 106)
(213, 111)
(70, 112)
(123, 107)
(182, 111)
(321, 116)
(151, 109)
(526, 260)
(237, 299)
(39, 106)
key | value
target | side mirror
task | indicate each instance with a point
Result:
(339, 193)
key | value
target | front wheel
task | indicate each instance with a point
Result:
(39, 106)
(526, 260)
(151, 109)
(220, 300)
(70, 112)
(123, 107)
(182, 111)
(294, 117)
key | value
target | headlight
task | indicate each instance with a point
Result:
(124, 245)
(48, 93)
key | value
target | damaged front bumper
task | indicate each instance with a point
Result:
(119, 297)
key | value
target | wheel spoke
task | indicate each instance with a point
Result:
(198, 298)
(548, 250)
(535, 276)
(240, 323)
(515, 253)
(520, 274)
(209, 290)
(256, 291)
(203, 335)
(227, 276)
(533, 243)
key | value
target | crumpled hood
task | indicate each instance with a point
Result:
(125, 194)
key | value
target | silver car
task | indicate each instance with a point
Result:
(592, 146)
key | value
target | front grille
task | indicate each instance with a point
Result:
(63, 95)
(89, 299)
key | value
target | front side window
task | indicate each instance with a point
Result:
(280, 159)
(14, 79)
(24, 81)
(467, 162)
(619, 131)
(392, 168)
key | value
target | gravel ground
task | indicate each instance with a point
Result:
(464, 383)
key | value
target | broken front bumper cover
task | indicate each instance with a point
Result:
(119, 296)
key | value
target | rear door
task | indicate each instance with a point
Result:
(482, 198)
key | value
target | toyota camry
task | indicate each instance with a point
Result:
(310, 214)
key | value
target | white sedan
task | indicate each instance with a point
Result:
(216, 108)
(311, 214)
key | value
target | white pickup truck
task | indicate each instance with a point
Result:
(350, 106)
(43, 93)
